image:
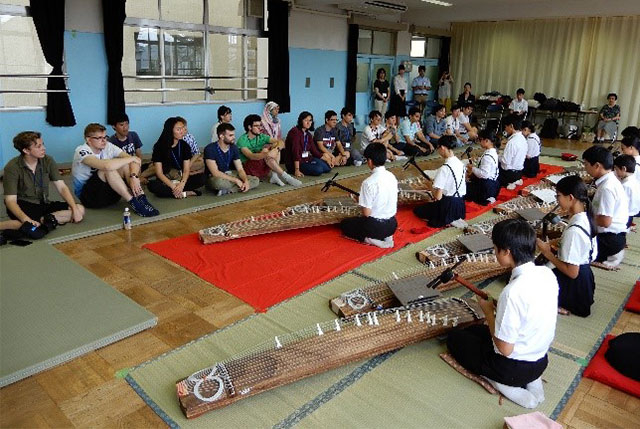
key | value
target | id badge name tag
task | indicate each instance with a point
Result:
(305, 154)
(347, 145)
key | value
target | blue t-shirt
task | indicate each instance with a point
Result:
(224, 160)
(129, 145)
(408, 128)
(435, 127)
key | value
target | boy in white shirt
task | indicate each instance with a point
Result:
(532, 160)
(452, 125)
(515, 152)
(379, 202)
(103, 173)
(630, 145)
(610, 208)
(624, 167)
(511, 349)
(519, 106)
(483, 186)
(467, 132)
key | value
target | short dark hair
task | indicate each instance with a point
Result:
(223, 110)
(455, 107)
(373, 114)
(414, 110)
(389, 113)
(302, 116)
(329, 113)
(249, 120)
(517, 236)
(450, 142)
(467, 105)
(377, 153)
(345, 111)
(514, 120)
(223, 128)
(467, 83)
(121, 117)
(379, 72)
(25, 139)
(421, 68)
(528, 125)
(93, 128)
(631, 141)
(631, 131)
(520, 91)
(627, 162)
(401, 67)
(487, 134)
(612, 94)
(598, 154)
(438, 107)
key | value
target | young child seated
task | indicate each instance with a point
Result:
(625, 167)
(578, 248)
(532, 160)
(511, 349)
(631, 146)
(379, 202)
(610, 207)
(26, 189)
(515, 152)
(449, 188)
(483, 185)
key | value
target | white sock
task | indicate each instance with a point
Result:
(519, 182)
(615, 260)
(459, 223)
(383, 244)
(290, 180)
(275, 179)
(535, 387)
(520, 396)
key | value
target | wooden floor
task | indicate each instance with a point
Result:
(86, 392)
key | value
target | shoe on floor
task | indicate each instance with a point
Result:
(387, 243)
(459, 223)
(151, 209)
(222, 192)
(142, 209)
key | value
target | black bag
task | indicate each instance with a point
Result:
(550, 104)
(549, 129)
(568, 106)
(540, 97)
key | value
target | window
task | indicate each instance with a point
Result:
(418, 47)
(376, 42)
(21, 54)
(193, 51)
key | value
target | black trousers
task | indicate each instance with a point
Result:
(609, 244)
(161, 190)
(360, 228)
(472, 347)
(508, 176)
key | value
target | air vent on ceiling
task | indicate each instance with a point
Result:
(374, 7)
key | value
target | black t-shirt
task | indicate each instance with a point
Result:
(171, 157)
(383, 88)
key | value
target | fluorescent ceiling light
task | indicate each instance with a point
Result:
(438, 2)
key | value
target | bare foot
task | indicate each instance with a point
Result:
(604, 266)
(563, 311)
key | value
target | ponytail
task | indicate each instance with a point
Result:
(573, 185)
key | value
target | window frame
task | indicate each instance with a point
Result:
(394, 40)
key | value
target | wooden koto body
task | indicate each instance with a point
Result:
(320, 348)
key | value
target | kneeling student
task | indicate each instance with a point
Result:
(511, 349)
(379, 202)
(625, 167)
(26, 189)
(609, 208)
(515, 152)
(532, 160)
(449, 189)
(221, 158)
(483, 186)
(578, 248)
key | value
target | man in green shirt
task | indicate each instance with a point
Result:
(26, 188)
(260, 154)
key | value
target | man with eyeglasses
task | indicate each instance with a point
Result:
(328, 141)
(103, 173)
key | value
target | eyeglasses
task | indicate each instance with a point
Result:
(99, 138)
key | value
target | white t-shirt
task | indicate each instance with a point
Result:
(370, 135)
(631, 187)
(519, 106)
(80, 171)
(399, 83)
(488, 166)
(637, 172)
(452, 124)
(576, 244)
(533, 145)
(527, 312)
(448, 182)
(515, 152)
(379, 192)
(463, 119)
(611, 200)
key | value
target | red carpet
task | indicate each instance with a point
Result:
(267, 269)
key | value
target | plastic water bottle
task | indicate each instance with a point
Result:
(126, 219)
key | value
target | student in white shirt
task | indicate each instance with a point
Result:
(578, 248)
(631, 146)
(624, 167)
(510, 350)
(483, 185)
(519, 106)
(449, 189)
(609, 207)
(515, 152)
(411, 134)
(452, 125)
(532, 161)
(468, 133)
(378, 200)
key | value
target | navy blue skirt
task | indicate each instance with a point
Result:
(479, 190)
(442, 212)
(576, 295)
(531, 167)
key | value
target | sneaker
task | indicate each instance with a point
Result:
(222, 192)
(459, 223)
(276, 180)
(357, 163)
(401, 158)
(519, 182)
(291, 180)
(142, 209)
(383, 244)
(511, 186)
(491, 200)
(143, 199)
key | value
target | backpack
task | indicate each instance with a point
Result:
(549, 129)
(540, 97)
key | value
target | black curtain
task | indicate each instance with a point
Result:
(445, 48)
(113, 15)
(48, 18)
(352, 66)
(278, 22)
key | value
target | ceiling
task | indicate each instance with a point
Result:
(422, 13)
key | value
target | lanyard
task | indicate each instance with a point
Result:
(178, 165)
(225, 157)
(306, 141)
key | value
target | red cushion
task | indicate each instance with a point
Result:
(600, 370)
(633, 304)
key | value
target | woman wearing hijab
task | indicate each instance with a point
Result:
(270, 120)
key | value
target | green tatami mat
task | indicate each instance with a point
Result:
(53, 310)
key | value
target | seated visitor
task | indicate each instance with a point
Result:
(519, 106)
(197, 160)
(347, 136)
(301, 155)
(452, 126)
(411, 134)
(435, 125)
(608, 119)
(326, 138)
(270, 122)
(466, 96)
(224, 116)
(468, 133)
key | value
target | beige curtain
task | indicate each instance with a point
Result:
(579, 59)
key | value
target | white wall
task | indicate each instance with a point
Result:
(315, 31)
(403, 43)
